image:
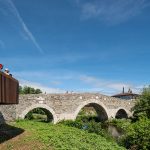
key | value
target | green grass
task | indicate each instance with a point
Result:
(61, 137)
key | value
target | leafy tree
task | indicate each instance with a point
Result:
(136, 135)
(20, 90)
(28, 90)
(142, 106)
(38, 91)
(32, 90)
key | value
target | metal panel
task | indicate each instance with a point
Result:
(8, 89)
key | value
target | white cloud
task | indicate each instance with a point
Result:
(77, 82)
(108, 87)
(12, 8)
(112, 11)
(40, 86)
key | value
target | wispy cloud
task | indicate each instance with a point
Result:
(40, 86)
(109, 87)
(52, 77)
(2, 44)
(78, 81)
(9, 5)
(112, 11)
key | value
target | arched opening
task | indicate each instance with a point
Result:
(39, 114)
(51, 115)
(121, 113)
(92, 111)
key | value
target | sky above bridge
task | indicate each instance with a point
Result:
(77, 45)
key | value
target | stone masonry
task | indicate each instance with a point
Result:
(66, 106)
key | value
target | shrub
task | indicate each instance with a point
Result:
(29, 116)
(89, 126)
(142, 105)
(136, 134)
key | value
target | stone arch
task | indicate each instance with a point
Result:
(49, 111)
(98, 106)
(122, 113)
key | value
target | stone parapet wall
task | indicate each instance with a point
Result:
(64, 106)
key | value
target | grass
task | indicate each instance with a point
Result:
(47, 136)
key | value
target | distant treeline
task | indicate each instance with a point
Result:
(28, 90)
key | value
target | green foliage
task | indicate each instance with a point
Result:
(29, 115)
(36, 114)
(20, 90)
(142, 106)
(38, 111)
(38, 91)
(70, 123)
(119, 123)
(28, 90)
(85, 123)
(87, 111)
(60, 137)
(136, 134)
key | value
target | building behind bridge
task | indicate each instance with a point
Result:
(126, 95)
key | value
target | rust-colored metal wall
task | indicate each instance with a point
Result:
(8, 89)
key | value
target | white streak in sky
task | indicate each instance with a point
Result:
(15, 12)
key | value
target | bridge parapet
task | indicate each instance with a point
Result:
(67, 106)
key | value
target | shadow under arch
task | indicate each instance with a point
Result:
(121, 113)
(49, 112)
(2, 120)
(98, 106)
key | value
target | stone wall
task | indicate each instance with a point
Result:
(7, 113)
(64, 106)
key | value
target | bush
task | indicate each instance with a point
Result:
(136, 135)
(142, 105)
(29, 116)
(70, 123)
(89, 126)
(120, 123)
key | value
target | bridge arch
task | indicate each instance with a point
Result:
(48, 110)
(122, 113)
(99, 107)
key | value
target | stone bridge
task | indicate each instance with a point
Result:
(67, 106)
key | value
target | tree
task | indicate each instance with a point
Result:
(20, 90)
(38, 91)
(142, 106)
(28, 90)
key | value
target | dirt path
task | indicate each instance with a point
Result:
(22, 142)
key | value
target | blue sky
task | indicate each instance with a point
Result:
(77, 45)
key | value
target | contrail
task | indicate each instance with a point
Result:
(15, 12)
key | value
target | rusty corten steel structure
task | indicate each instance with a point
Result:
(9, 89)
